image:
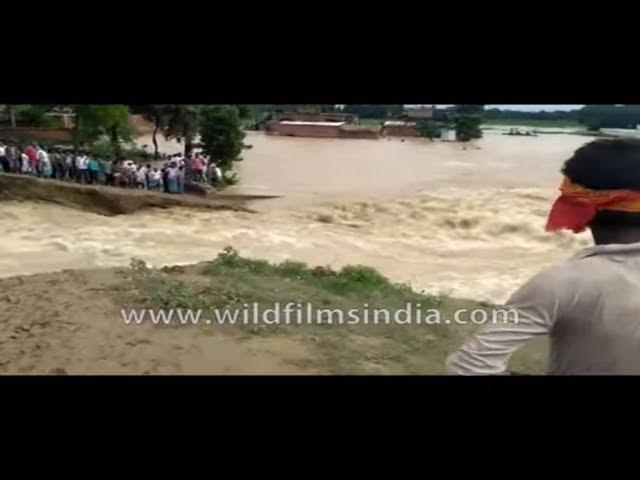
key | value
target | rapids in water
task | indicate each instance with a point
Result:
(445, 218)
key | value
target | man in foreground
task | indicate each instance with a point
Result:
(590, 305)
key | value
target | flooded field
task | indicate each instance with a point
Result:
(443, 217)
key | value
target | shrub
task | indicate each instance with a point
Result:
(34, 115)
(229, 178)
(102, 148)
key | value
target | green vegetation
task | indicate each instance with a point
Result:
(522, 117)
(159, 116)
(252, 116)
(465, 119)
(35, 115)
(29, 115)
(182, 124)
(351, 279)
(430, 128)
(102, 149)
(221, 134)
(229, 178)
(220, 128)
(596, 117)
(96, 122)
(105, 130)
(230, 281)
(593, 117)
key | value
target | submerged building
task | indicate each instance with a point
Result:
(405, 125)
(418, 113)
(323, 129)
(294, 128)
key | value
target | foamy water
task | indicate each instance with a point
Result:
(466, 222)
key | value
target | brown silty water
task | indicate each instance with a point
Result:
(443, 217)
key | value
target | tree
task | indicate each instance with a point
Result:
(34, 115)
(244, 111)
(102, 149)
(559, 115)
(609, 116)
(221, 134)
(254, 115)
(467, 120)
(429, 128)
(159, 116)
(95, 121)
(182, 124)
(30, 115)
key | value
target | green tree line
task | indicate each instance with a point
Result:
(593, 117)
(106, 129)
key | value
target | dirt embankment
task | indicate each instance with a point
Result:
(108, 200)
(71, 322)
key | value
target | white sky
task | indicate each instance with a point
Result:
(535, 108)
(531, 108)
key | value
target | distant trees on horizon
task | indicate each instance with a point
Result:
(594, 117)
(181, 121)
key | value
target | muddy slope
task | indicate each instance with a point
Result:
(107, 200)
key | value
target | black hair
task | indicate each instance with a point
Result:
(606, 164)
(616, 218)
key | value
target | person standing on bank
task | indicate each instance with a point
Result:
(4, 163)
(590, 305)
(82, 168)
(94, 170)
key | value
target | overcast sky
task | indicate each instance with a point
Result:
(535, 108)
(531, 108)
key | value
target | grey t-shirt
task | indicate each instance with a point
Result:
(590, 308)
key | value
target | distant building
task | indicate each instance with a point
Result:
(311, 113)
(359, 131)
(417, 113)
(308, 116)
(405, 125)
(294, 128)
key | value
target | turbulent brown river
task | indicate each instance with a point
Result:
(466, 221)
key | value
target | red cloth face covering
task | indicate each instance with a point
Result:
(578, 205)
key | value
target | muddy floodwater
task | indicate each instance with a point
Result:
(466, 221)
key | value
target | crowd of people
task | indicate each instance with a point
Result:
(168, 175)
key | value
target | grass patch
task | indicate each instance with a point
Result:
(382, 345)
(352, 279)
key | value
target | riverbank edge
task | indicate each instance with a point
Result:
(111, 201)
(73, 325)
